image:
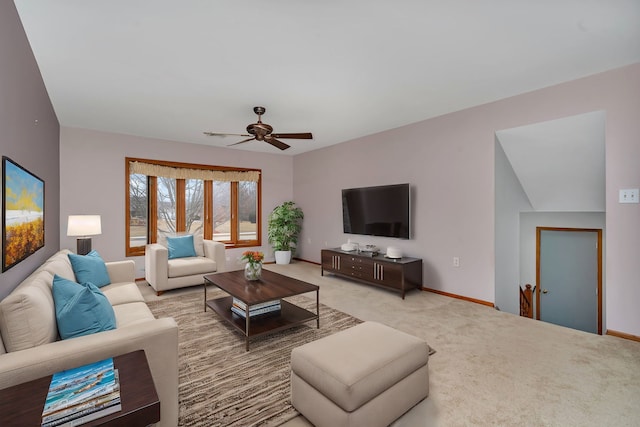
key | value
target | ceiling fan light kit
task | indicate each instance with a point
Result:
(263, 132)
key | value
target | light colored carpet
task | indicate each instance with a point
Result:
(492, 368)
(221, 384)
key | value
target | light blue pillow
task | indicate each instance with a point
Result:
(90, 268)
(81, 309)
(181, 247)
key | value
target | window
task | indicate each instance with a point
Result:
(164, 198)
(138, 211)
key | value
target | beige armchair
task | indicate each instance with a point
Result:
(163, 273)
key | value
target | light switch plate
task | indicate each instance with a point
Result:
(629, 195)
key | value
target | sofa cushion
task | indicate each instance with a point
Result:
(132, 313)
(189, 266)
(59, 264)
(122, 293)
(27, 315)
(90, 268)
(181, 246)
(81, 309)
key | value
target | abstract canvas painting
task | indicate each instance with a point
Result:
(23, 208)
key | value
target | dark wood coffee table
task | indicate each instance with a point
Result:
(272, 286)
(22, 404)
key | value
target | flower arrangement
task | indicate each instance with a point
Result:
(253, 269)
(252, 257)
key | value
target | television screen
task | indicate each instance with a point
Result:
(377, 211)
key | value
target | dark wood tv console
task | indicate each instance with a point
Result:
(399, 275)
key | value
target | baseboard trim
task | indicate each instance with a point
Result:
(447, 294)
(623, 335)
(306, 260)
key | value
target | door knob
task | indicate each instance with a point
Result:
(544, 291)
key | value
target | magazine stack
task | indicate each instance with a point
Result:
(269, 307)
(82, 394)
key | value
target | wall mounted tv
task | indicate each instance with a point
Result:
(377, 211)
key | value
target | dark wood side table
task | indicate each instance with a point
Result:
(22, 404)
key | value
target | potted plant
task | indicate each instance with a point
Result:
(283, 228)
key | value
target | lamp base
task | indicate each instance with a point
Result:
(84, 246)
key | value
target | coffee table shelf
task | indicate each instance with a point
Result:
(290, 315)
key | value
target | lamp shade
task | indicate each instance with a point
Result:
(84, 225)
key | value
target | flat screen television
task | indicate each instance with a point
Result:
(377, 211)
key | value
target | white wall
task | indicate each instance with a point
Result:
(92, 181)
(450, 162)
(510, 201)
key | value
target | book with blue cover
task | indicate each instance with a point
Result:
(86, 389)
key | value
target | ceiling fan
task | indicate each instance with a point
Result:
(263, 132)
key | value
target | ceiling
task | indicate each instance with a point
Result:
(341, 70)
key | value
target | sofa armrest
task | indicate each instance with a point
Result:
(215, 251)
(121, 271)
(158, 338)
(156, 267)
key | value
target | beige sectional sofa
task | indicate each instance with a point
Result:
(31, 348)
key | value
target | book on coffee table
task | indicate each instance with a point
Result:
(239, 308)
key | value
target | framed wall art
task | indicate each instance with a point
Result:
(23, 213)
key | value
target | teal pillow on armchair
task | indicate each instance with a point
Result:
(181, 246)
(81, 309)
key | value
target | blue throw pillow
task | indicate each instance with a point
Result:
(181, 247)
(81, 309)
(90, 268)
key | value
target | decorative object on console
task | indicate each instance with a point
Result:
(84, 226)
(348, 247)
(283, 228)
(253, 268)
(370, 249)
(23, 216)
(394, 253)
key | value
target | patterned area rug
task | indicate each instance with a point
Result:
(223, 385)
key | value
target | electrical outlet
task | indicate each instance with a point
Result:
(456, 261)
(630, 195)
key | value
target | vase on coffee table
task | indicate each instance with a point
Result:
(253, 271)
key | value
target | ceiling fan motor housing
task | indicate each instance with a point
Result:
(260, 130)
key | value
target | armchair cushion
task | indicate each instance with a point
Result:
(90, 268)
(188, 266)
(81, 309)
(181, 246)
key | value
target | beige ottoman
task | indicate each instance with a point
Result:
(368, 375)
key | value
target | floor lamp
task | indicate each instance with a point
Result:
(82, 226)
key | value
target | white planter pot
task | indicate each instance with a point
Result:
(283, 257)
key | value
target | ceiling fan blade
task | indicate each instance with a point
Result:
(278, 144)
(240, 142)
(305, 135)
(225, 134)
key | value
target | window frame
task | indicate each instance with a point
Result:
(152, 224)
